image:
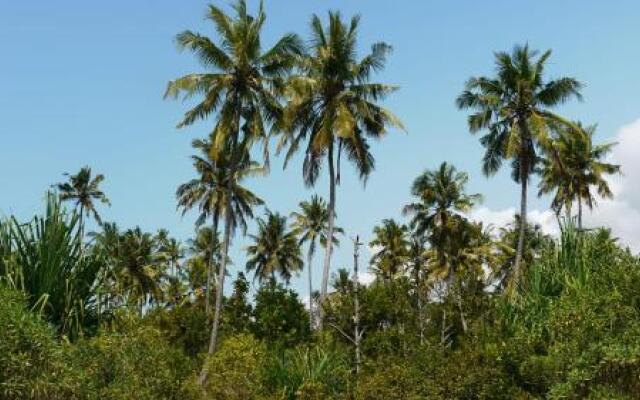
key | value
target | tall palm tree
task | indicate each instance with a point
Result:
(392, 243)
(83, 190)
(515, 108)
(311, 224)
(333, 107)
(275, 249)
(576, 166)
(242, 88)
(441, 200)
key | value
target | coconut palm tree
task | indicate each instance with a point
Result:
(230, 169)
(242, 88)
(244, 81)
(311, 224)
(441, 201)
(391, 242)
(83, 190)
(205, 247)
(576, 166)
(275, 249)
(515, 109)
(333, 108)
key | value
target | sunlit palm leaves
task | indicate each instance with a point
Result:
(244, 81)
(391, 246)
(575, 166)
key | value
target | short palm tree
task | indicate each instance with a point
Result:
(138, 268)
(275, 249)
(242, 88)
(205, 247)
(311, 224)
(333, 108)
(515, 108)
(441, 199)
(391, 241)
(576, 166)
(83, 190)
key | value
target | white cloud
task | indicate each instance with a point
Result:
(498, 218)
(621, 214)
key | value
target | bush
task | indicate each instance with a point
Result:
(132, 362)
(32, 363)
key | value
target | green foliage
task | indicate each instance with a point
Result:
(132, 361)
(279, 317)
(307, 373)
(44, 259)
(32, 362)
(235, 371)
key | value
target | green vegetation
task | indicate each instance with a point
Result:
(457, 310)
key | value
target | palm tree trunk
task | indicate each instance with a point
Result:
(309, 260)
(219, 292)
(524, 178)
(214, 235)
(579, 214)
(330, 228)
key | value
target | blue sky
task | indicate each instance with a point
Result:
(82, 84)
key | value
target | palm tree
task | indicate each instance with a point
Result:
(205, 247)
(311, 224)
(242, 88)
(275, 249)
(441, 200)
(333, 107)
(138, 268)
(575, 166)
(514, 107)
(83, 191)
(392, 243)
(207, 192)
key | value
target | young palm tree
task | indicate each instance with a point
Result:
(576, 166)
(83, 191)
(205, 247)
(514, 107)
(441, 200)
(311, 224)
(392, 243)
(333, 107)
(275, 249)
(242, 88)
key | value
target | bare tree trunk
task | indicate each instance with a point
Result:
(357, 334)
(219, 291)
(330, 228)
(443, 329)
(214, 235)
(309, 260)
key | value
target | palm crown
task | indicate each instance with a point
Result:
(83, 190)
(245, 81)
(210, 189)
(275, 249)
(575, 167)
